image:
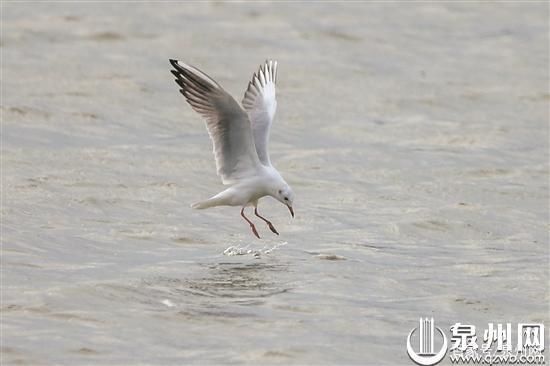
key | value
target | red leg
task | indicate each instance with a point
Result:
(271, 227)
(251, 224)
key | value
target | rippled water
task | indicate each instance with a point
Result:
(415, 137)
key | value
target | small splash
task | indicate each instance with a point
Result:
(238, 250)
(168, 303)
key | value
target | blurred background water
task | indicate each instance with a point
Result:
(415, 137)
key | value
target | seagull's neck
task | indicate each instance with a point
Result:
(275, 181)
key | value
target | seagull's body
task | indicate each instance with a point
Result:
(247, 191)
(240, 137)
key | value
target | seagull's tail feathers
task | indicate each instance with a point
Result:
(201, 205)
(223, 198)
(211, 202)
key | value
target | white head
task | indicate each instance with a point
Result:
(284, 194)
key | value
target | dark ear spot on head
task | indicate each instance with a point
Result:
(280, 191)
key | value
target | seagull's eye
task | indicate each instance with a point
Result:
(286, 198)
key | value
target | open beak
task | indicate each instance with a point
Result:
(291, 210)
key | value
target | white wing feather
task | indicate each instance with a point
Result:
(227, 123)
(260, 103)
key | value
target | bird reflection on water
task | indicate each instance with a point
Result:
(239, 280)
(222, 289)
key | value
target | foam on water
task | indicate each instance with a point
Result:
(168, 303)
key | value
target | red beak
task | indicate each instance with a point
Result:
(291, 210)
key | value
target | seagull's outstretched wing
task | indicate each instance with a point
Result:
(227, 123)
(260, 103)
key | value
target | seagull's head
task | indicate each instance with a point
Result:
(285, 195)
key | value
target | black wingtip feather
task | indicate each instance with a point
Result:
(180, 83)
(174, 63)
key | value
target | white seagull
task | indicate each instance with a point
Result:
(240, 136)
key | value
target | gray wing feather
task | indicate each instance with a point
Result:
(227, 123)
(260, 103)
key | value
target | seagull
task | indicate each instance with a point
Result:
(239, 136)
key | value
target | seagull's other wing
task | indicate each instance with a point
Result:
(260, 103)
(227, 123)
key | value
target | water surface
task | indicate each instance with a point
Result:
(415, 137)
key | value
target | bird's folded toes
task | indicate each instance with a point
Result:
(255, 231)
(273, 230)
